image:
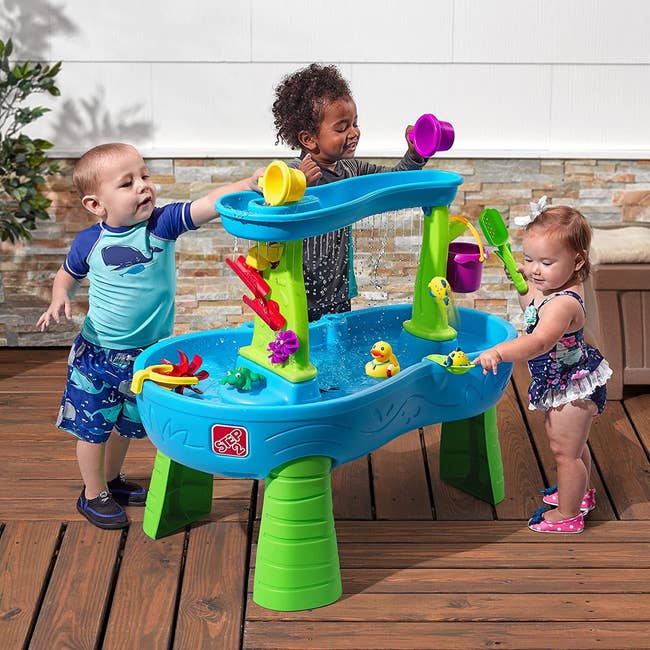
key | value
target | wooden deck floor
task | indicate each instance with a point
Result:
(423, 565)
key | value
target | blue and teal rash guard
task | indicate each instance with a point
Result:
(132, 274)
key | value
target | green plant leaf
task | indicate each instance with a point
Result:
(24, 165)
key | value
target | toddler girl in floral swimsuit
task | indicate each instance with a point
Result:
(568, 375)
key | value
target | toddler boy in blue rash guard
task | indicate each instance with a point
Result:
(129, 259)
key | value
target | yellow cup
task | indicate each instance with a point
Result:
(282, 184)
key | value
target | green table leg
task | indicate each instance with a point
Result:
(297, 565)
(470, 456)
(178, 495)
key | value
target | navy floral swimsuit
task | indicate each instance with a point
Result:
(571, 370)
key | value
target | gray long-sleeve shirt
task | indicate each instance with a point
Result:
(327, 259)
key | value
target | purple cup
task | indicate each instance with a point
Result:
(464, 268)
(430, 135)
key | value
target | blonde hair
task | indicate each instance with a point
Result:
(571, 228)
(88, 168)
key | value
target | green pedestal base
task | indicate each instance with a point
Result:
(470, 456)
(297, 565)
(178, 495)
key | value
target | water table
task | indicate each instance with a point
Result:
(291, 421)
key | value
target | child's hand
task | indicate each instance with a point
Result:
(310, 169)
(520, 269)
(54, 312)
(254, 180)
(489, 360)
(412, 152)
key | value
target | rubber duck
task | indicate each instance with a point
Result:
(384, 363)
(457, 358)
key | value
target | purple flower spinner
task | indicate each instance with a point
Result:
(285, 344)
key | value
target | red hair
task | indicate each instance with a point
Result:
(85, 176)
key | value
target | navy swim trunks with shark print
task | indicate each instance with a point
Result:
(97, 396)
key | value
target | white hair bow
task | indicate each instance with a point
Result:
(536, 208)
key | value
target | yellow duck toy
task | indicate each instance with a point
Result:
(384, 363)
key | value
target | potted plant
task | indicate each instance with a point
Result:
(23, 161)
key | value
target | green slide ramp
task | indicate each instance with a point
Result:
(178, 495)
(297, 565)
(470, 456)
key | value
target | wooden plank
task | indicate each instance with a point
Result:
(20, 400)
(482, 532)
(143, 608)
(351, 490)
(44, 509)
(446, 636)
(26, 552)
(68, 489)
(60, 445)
(450, 503)
(535, 421)
(36, 465)
(57, 370)
(632, 316)
(506, 555)
(520, 469)
(34, 384)
(469, 607)
(211, 607)
(495, 581)
(638, 408)
(75, 602)
(622, 461)
(611, 343)
(33, 356)
(399, 479)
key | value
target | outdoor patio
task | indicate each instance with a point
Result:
(423, 565)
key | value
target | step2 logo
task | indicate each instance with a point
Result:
(229, 440)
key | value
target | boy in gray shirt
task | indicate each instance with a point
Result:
(314, 111)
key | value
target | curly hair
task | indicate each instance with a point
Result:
(300, 98)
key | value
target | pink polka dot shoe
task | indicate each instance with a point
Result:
(587, 504)
(538, 524)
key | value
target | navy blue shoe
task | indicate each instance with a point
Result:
(102, 511)
(127, 493)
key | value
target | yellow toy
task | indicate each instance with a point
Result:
(439, 288)
(456, 362)
(264, 255)
(384, 363)
(457, 358)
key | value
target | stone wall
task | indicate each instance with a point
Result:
(608, 192)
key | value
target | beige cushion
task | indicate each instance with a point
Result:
(625, 245)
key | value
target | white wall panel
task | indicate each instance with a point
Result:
(215, 109)
(100, 102)
(552, 31)
(154, 30)
(345, 30)
(494, 108)
(515, 77)
(601, 107)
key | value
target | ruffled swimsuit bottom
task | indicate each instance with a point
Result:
(572, 370)
(554, 384)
